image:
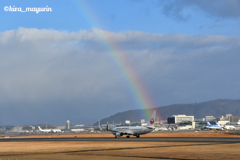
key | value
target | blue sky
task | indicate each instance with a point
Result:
(55, 63)
(138, 15)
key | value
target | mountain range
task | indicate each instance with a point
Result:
(214, 108)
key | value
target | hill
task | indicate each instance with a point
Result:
(215, 108)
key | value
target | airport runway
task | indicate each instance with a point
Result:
(132, 139)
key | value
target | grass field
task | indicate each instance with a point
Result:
(120, 150)
(117, 150)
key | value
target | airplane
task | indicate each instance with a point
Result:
(218, 124)
(44, 130)
(161, 129)
(56, 130)
(228, 127)
(214, 127)
(23, 131)
(49, 130)
(134, 130)
(77, 130)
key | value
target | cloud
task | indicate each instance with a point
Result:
(72, 75)
(214, 26)
(220, 9)
(174, 9)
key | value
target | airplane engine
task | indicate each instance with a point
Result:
(119, 134)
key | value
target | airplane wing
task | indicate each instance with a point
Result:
(150, 127)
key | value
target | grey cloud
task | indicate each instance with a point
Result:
(223, 8)
(73, 75)
(174, 9)
(216, 8)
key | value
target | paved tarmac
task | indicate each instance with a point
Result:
(132, 139)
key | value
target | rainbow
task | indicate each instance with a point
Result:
(136, 87)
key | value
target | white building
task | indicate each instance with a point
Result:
(210, 118)
(127, 122)
(180, 118)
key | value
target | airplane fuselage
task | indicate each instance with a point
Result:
(131, 130)
(56, 130)
(23, 131)
(230, 127)
(46, 130)
(216, 128)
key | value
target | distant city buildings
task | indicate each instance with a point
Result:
(234, 118)
(174, 122)
(210, 118)
(228, 116)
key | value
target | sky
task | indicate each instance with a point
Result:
(84, 60)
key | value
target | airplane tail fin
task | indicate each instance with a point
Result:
(216, 123)
(152, 119)
(209, 124)
(39, 128)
